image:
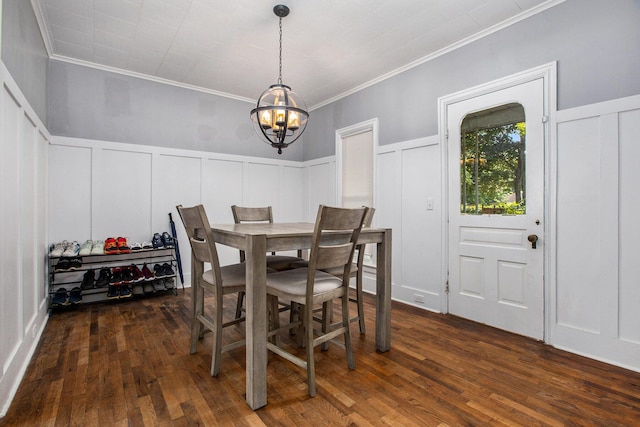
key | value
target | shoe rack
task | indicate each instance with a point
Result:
(70, 279)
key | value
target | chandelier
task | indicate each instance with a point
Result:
(280, 116)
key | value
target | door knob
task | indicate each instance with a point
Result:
(533, 239)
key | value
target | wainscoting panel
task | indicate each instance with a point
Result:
(23, 227)
(595, 296)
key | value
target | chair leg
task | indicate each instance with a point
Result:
(351, 363)
(217, 338)
(311, 368)
(327, 310)
(239, 304)
(196, 325)
(360, 302)
(274, 317)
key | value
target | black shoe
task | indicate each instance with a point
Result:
(62, 265)
(127, 275)
(103, 278)
(158, 271)
(113, 292)
(87, 281)
(169, 284)
(116, 277)
(125, 291)
(168, 271)
(60, 298)
(75, 263)
(167, 240)
(157, 241)
(75, 296)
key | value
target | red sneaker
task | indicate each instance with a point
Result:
(110, 246)
(123, 247)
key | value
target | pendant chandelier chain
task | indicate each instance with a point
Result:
(280, 61)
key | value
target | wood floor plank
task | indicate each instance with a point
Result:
(128, 363)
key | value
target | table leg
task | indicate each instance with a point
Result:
(256, 323)
(383, 293)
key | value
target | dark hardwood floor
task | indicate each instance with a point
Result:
(128, 363)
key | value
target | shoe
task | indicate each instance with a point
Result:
(75, 296)
(125, 292)
(113, 292)
(148, 275)
(158, 271)
(147, 288)
(110, 246)
(58, 249)
(62, 265)
(167, 240)
(98, 248)
(158, 285)
(157, 241)
(103, 278)
(168, 271)
(169, 284)
(123, 246)
(147, 245)
(127, 275)
(136, 246)
(88, 279)
(75, 263)
(71, 249)
(86, 247)
(116, 277)
(137, 289)
(137, 274)
(59, 298)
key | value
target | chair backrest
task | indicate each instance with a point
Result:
(243, 214)
(334, 240)
(368, 219)
(203, 247)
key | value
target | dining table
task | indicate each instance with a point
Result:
(258, 239)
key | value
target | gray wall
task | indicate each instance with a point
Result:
(96, 104)
(24, 53)
(596, 44)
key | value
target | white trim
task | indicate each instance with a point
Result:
(406, 145)
(599, 109)
(42, 24)
(355, 129)
(548, 72)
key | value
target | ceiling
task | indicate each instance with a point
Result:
(330, 47)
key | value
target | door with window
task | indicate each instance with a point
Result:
(496, 208)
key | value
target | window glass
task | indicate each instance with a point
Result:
(492, 162)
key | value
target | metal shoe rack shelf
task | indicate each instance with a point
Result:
(70, 279)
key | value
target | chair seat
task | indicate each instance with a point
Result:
(336, 271)
(232, 276)
(281, 262)
(294, 282)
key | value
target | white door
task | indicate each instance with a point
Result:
(496, 194)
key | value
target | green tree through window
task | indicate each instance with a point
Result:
(492, 161)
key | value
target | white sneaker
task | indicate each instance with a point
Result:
(98, 248)
(71, 249)
(58, 249)
(86, 247)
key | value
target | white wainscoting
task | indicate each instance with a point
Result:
(409, 183)
(100, 189)
(595, 297)
(23, 219)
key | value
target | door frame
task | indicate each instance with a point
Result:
(548, 72)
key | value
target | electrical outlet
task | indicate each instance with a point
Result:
(418, 298)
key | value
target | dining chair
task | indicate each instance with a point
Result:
(276, 262)
(356, 271)
(333, 244)
(218, 280)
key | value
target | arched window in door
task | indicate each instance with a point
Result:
(492, 161)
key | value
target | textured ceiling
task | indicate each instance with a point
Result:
(330, 47)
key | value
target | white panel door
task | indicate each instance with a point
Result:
(495, 274)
